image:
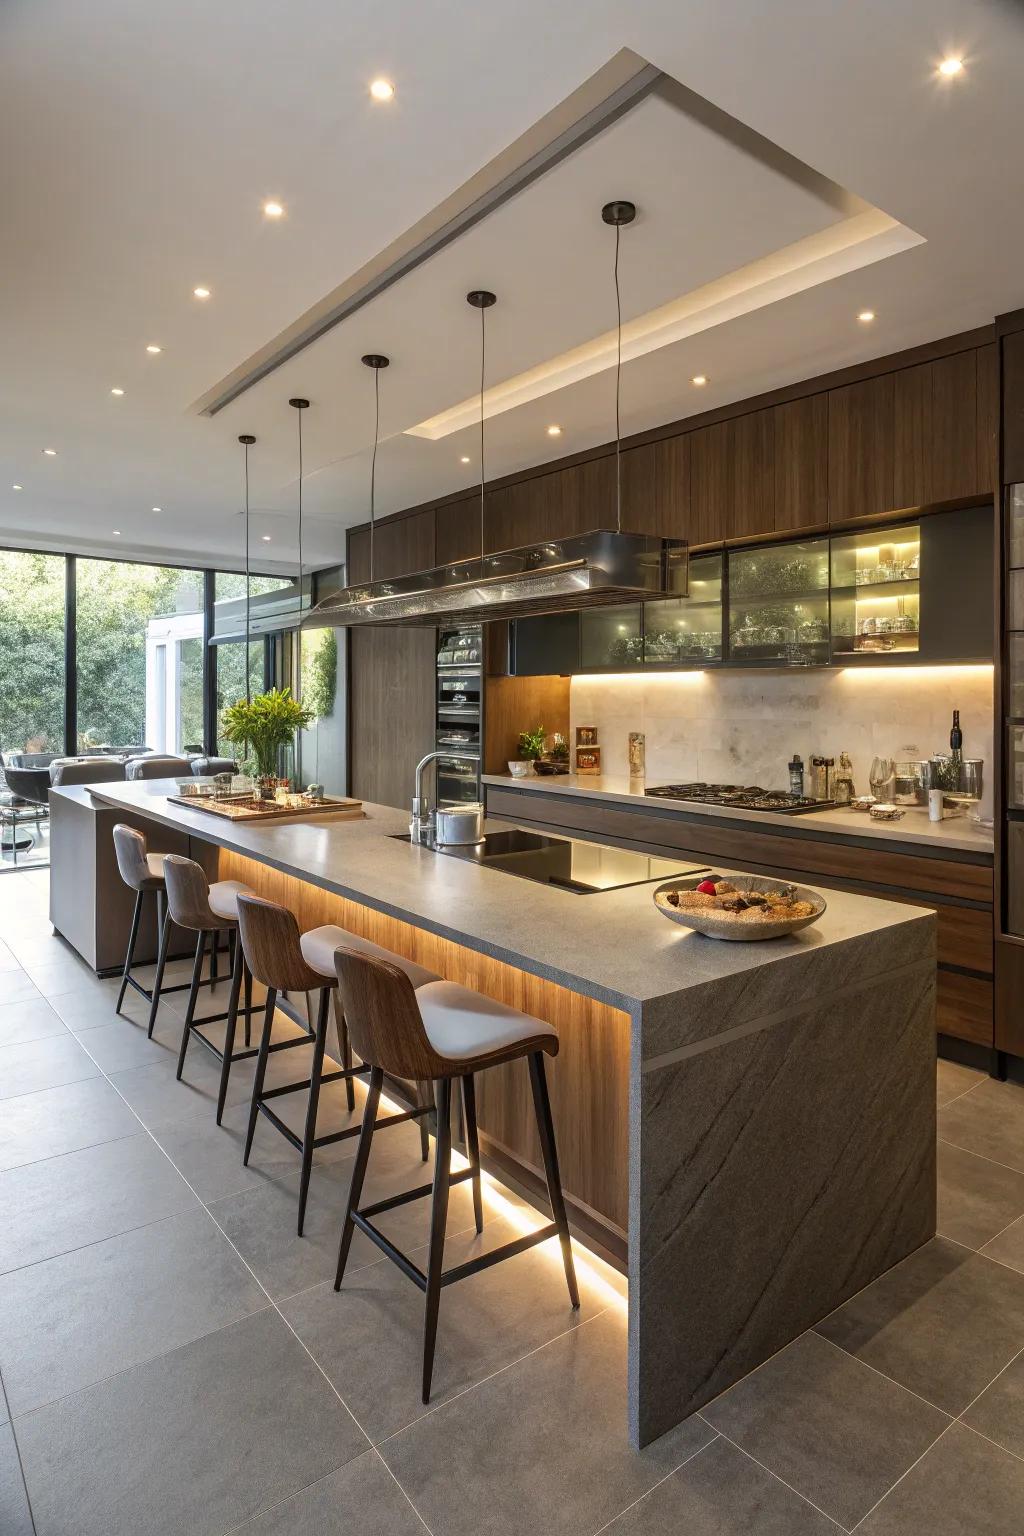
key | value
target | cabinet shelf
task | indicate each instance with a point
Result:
(769, 599)
(874, 588)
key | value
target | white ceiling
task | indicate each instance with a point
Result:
(140, 142)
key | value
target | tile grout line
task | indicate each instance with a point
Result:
(661, 1481)
(17, 1452)
(980, 1253)
(993, 1160)
(802, 1496)
(958, 1096)
(988, 1439)
(902, 1475)
(849, 1355)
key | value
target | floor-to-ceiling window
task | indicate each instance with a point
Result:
(139, 647)
(32, 680)
(229, 590)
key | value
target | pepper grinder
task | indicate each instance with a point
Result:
(796, 775)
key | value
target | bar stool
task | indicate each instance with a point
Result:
(439, 1033)
(278, 958)
(206, 910)
(143, 872)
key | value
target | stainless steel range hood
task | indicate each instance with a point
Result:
(587, 570)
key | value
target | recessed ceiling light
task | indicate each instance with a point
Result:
(951, 66)
(117, 391)
(554, 431)
(464, 459)
(866, 316)
(201, 293)
(273, 210)
(381, 90)
(116, 532)
(51, 453)
(157, 509)
(700, 379)
(153, 348)
(266, 538)
(15, 487)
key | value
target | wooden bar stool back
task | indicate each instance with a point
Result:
(207, 911)
(142, 872)
(273, 951)
(441, 1032)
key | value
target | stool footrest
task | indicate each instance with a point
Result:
(387, 1246)
(215, 1050)
(494, 1255)
(278, 1123)
(419, 1193)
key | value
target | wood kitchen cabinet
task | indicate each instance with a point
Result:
(399, 547)
(935, 429)
(801, 464)
(861, 449)
(457, 530)
(1013, 408)
(656, 488)
(550, 506)
(732, 478)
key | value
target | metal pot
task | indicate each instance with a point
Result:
(459, 824)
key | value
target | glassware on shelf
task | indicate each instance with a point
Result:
(881, 777)
(688, 629)
(876, 591)
(779, 603)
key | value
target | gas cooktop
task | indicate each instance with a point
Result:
(741, 797)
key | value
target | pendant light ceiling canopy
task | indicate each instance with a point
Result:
(586, 570)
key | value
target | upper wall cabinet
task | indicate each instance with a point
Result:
(656, 488)
(801, 464)
(936, 431)
(405, 545)
(1013, 408)
(861, 449)
(732, 478)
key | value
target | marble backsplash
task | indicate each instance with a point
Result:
(743, 727)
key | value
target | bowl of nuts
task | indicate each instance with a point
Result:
(743, 907)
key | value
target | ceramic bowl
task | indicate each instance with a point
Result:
(722, 925)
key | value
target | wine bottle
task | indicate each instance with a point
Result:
(956, 735)
(956, 743)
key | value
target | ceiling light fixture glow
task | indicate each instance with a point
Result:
(464, 459)
(51, 453)
(266, 538)
(866, 316)
(116, 532)
(15, 487)
(700, 379)
(201, 293)
(951, 67)
(153, 349)
(273, 210)
(117, 391)
(156, 509)
(554, 431)
(381, 90)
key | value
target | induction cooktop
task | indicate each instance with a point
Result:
(568, 863)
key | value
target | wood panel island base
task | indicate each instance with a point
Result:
(756, 1120)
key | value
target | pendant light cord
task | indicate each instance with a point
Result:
(299, 414)
(483, 361)
(618, 389)
(248, 583)
(373, 461)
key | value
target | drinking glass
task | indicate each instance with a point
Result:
(880, 778)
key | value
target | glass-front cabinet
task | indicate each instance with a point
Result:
(779, 604)
(876, 592)
(687, 631)
(612, 637)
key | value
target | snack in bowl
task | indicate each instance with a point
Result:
(747, 907)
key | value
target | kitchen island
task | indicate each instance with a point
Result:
(751, 1126)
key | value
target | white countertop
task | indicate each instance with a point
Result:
(957, 833)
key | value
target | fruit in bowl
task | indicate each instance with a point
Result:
(746, 907)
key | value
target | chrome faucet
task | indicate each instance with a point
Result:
(421, 827)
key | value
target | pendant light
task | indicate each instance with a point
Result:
(246, 439)
(299, 406)
(376, 361)
(564, 574)
(482, 299)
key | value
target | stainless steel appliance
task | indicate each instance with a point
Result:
(459, 824)
(459, 713)
(568, 862)
(743, 797)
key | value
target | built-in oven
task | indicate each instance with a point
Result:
(459, 712)
(459, 695)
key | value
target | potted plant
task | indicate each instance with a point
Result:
(531, 747)
(264, 724)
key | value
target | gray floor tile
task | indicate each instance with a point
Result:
(89, 1008)
(8, 959)
(369, 1336)
(952, 1079)
(1008, 1247)
(836, 1431)
(28, 1020)
(362, 1497)
(219, 1430)
(963, 1487)
(988, 1120)
(17, 986)
(999, 1411)
(15, 1519)
(540, 1447)
(64, 974)
(261, 1222)
(76, 1319)
(53, 1121)
(43, 1064)
(159, 1098)
(721, 1492)
(977, 1198)
(50, 1207)
(121, 1044)
(942, 1323)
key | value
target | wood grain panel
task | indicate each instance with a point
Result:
(963, 1008)
(912, 436)
(656, 488)
(751, 505)
(514, 704)
(1009, 993)
(1013, 407)
(988, 419)
(953, 443)
(457, 530)
(541, 507)
(801, 464)
(399, 547)
(391, 703)
(861, 449)
(589, 1079)
(711, 482)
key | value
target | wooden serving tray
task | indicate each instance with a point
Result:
(247, 808)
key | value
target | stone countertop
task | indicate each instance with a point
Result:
(957, 833)
(611, 945)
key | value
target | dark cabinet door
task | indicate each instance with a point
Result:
(358, 556)
(935, 432)
(732, 478)
(957, 622)
(399, 547)
(543, 507)
(801, 464)
(656, 488)
(1013, 408)
(548, 644)
(861, 449)
(710, 482)
(988, 418)
(457, 530)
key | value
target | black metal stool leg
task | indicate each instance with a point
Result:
(197, 976)
(546, 1130)
(158, 980)
(344, 1047)
(362, 1157)
(261, 1071)
(473, 1145)
(237, 964)
(424, 1127)
(129, 957)
(315, 1073)
(438, 1223)
(247, 974)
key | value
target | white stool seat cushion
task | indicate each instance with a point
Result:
(461, 1024)
(224, 896)
(156, 865)
(319, 944)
